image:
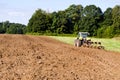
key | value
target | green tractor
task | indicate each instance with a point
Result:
(83, 41)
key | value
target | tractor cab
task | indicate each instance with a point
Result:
(83, 35)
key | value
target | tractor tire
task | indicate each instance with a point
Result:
(77, 43)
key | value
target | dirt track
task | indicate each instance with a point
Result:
(41, 58)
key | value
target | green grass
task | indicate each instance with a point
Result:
(109, 44)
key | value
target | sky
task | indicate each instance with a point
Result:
(20, 11)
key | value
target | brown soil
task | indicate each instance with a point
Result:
(24, 57)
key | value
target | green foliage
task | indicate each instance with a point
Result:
(100, 32)
(39, 22)
(77, 18)
(116, 19)
(105, 32)
(107, 19)
(12, 28)
(91, 16)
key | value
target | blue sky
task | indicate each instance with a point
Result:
(20, 11)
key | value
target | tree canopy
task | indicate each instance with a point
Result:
(12, 28)
(77, 18)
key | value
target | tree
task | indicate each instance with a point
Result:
(91, 16)
(2, 30)
(100, 32)
(39, 22)
(73, 14)
(107, 19)
(15, 28)
(60, 22)
(106, 29)
(116, 19)
(12, 28)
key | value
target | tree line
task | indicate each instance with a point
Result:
(77, 18)
(72, 20)
(12, 28)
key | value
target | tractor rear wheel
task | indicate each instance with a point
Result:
(77, 43)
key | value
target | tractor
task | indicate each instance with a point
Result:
(82, 41)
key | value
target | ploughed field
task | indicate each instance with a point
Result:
(25, 57)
